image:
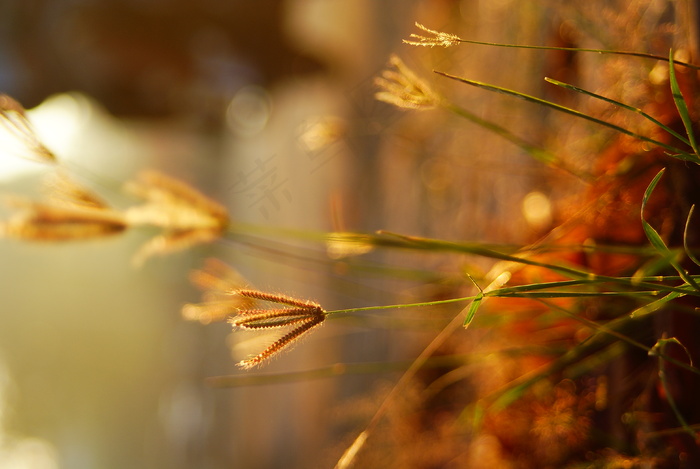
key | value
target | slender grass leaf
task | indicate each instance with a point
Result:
(622, 105)
(655, 305)
(569, 294)
(539, 154)
(417, 242)
(678, 153)
(657, 350)
(473, 307)
(642, 55)
(652, 266)
(652, 235)
(661, 343)
(655, 239)
(688, 251)
(682, 106)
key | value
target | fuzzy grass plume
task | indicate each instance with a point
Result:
(186, 216)
(400, 86)
(216, 280)
(69, 212)
(438, 38)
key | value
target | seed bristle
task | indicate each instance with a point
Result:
(277, 298)
(282, 343)
(271, 318)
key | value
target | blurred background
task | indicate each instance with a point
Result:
(267, 107)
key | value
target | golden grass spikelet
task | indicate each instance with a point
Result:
(173, 205)
(13, 121)
(71, 212)
(277, 298)
(218, 277)
(402, 88)
(272, 318)
(282, 343)
(439, 38)
(49, 222)
(61, 189)
(303, 315)
(187, 216)
(216, 280)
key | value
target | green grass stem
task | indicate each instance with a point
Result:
(622, 105)
(642, 55)
(658, 350)
(678, 153)
(543, 156)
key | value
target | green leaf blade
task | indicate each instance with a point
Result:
(682, 107)
(473, 307)
(655, 239)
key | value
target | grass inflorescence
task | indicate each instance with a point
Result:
(301, 315)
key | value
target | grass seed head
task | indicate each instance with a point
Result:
(70, 212)
(47, 222)
(173, 205)
(301, 315)
(216, 280)
(278, 298)
(283, 342)
(15, 125)
(187, 216)
(402, 88)
(439, 38)
(272, 318)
